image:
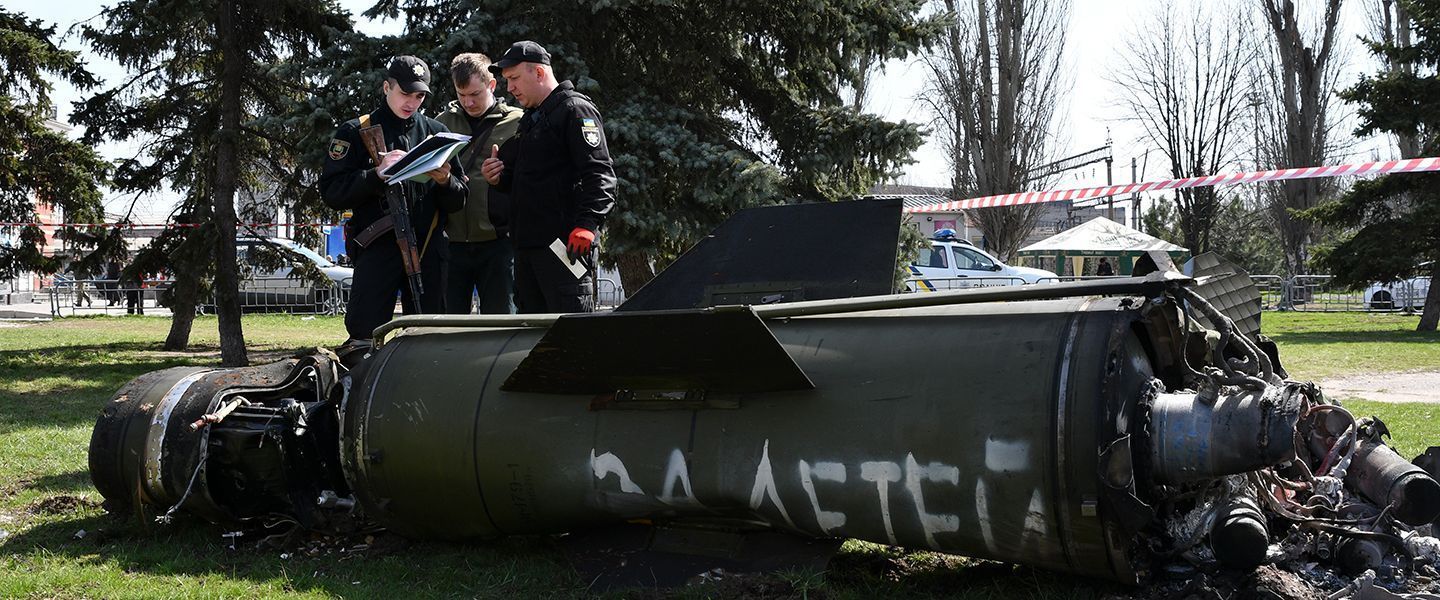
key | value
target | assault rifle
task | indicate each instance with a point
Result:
(399, 211)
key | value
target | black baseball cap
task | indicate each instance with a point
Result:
(521, 52)
(411, 73)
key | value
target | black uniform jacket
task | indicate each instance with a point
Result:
(349, 180)
(557, 170)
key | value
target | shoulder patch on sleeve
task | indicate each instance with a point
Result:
(338, 149)
(590, 132)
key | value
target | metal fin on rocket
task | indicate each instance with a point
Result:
(770, 254)
(727, 350)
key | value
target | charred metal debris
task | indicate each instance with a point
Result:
(1139, 430)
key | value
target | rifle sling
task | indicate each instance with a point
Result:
(385, 224)
(376, 229)
(434, 220)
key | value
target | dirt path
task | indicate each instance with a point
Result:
(1420, 386)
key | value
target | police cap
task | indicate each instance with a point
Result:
(521, 52)
(411, 73)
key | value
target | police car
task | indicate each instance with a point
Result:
(954, 263)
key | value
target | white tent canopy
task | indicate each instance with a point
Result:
(1098, 237)
(1103, 236)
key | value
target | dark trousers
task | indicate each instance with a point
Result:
(543, 284)
(135, 301)
(484, 267)
(379, 274)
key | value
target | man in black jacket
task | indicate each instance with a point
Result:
(351, 180)
(558, 173)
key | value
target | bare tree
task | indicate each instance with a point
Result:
(1183, 80)
(1293, 93)
(994, 83)
(1390, 24)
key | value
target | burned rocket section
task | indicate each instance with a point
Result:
(1099, 428)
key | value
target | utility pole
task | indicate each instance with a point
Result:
(1109, 174)
(1110, 180)
(1134, 198)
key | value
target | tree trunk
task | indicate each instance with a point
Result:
(635, 271)
(183, 296)
(1305, 82)
(1430, 317)
(227, 287)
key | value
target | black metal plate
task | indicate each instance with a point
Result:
(785, 253)
(721, 351)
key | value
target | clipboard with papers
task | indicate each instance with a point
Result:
(427, 156)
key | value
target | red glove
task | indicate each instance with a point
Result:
(580, 241)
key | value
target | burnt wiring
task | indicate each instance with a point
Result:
(1348, 436)
(1255, 370)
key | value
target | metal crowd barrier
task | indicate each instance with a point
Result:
(1318, 293)
(608, 294)
(1406, 295)
(288, 295)
(1272, 290)
(70, 297)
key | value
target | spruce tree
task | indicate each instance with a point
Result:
(1396, 217)
(38, 163)
(201, 72)
(710, 106)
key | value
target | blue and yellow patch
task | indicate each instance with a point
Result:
(590, 132)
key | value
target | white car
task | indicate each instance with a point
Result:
(951, 263)
(264, 287)
(1406, 293)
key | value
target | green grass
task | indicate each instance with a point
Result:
(1322, 345)
(55, 376)
(1413, 426)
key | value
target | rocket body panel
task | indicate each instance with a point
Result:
(1092, 427)
(954, 447)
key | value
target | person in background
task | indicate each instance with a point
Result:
(110, 283)
(82, 275)
(1104, 269)
(134, 288)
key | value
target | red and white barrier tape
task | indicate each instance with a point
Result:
(161, 225)
(1413, 165)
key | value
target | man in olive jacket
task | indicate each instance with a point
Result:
(481, 258)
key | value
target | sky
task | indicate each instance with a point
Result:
(1096, 37)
